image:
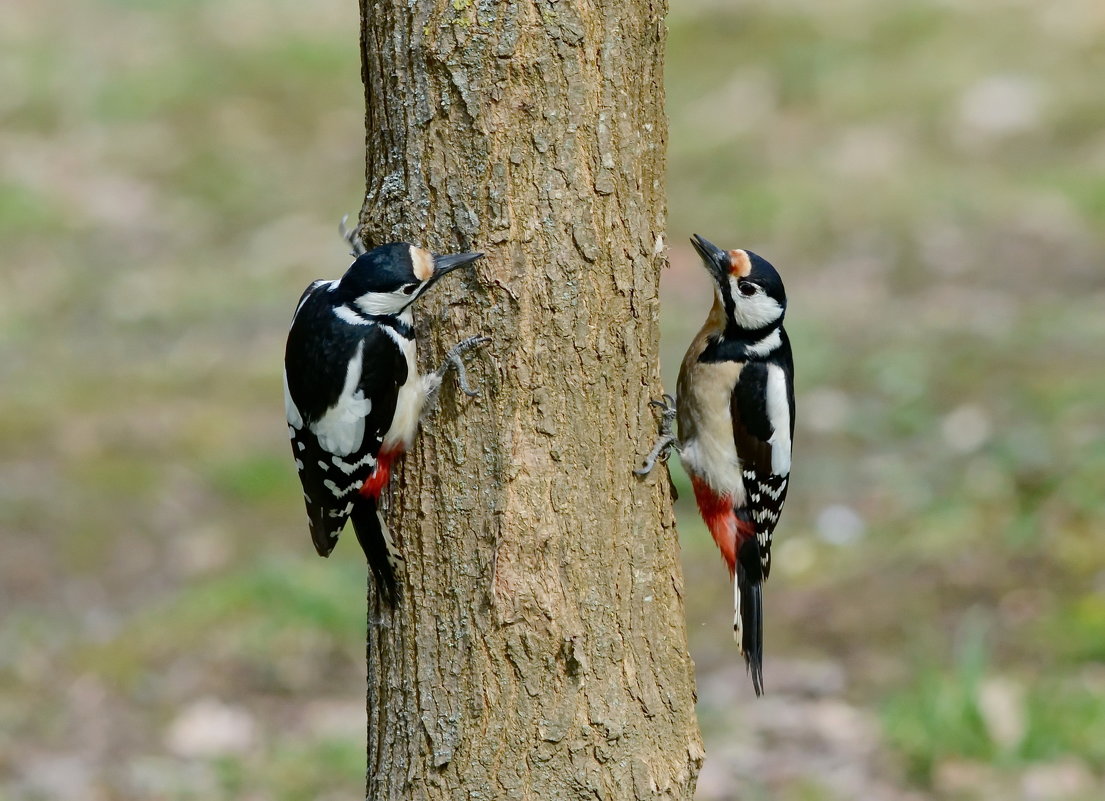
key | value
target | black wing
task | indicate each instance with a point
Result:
(755, 418)
(316, 363)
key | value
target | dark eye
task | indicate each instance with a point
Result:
(747, 289)
(409, 289)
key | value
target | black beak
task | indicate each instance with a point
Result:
(715, 259)
(443, 264)
(449, 262)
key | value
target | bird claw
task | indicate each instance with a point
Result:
(452, 358)
(350, 236)
(667, 441)
(666, 404)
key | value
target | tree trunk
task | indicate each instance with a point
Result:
(539, 650)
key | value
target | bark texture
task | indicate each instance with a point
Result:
(539, 650)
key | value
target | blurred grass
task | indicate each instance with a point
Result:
(930, 178)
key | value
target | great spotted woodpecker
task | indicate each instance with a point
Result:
(354, 396)
(736, 421)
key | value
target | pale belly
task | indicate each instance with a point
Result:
(706, 426)
(408, 404)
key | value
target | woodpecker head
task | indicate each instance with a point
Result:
(746, 284)
(388, 279)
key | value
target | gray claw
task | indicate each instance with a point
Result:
(452, 357)
(663, 447)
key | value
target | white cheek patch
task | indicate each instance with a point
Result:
(422, 263)
(755, 312)
(382, 303)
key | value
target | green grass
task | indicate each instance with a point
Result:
(940, 715)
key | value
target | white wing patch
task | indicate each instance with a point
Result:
(778, 412)
(341, 429)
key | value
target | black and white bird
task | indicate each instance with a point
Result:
(735, 410)
(354, 396)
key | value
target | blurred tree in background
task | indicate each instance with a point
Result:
(927, 174)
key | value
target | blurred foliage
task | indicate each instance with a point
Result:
(929, 176)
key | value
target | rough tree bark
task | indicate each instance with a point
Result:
(539, 651)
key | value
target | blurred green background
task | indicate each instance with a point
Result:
(929, 175)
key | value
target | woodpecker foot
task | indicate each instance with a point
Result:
(452, 359)
(663, 447)
(350, 236)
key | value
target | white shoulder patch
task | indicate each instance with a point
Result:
(341, 429)
(778, 412)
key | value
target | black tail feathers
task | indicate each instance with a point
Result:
(324, 530)
(750, 585)
(383, 557)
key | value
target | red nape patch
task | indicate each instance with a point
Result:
(376, 482)
(721, 519)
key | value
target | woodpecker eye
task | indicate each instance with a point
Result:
(409, 289)
(747, 289)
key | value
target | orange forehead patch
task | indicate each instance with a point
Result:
(739, 264)
(422, 263)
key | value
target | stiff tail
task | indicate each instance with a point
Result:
(748, 621)
(324, 529)
(384, 559)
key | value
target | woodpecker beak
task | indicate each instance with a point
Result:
(447, 263)
(451, 261)
(714, 258)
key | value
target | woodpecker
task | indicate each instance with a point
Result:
(354, 396)
(735, 411)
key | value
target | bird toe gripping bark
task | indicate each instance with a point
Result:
(667, 441)
(453, 359)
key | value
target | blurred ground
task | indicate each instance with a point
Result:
(930, 178)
